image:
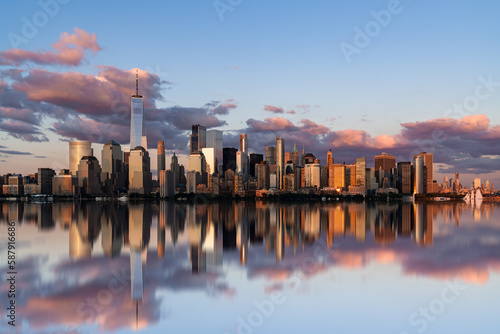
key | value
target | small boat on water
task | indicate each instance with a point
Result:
(123, 198)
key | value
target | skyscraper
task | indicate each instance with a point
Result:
(295, 156)
(174, 166)
(404, 180)
(198, 138)
(112, 166)
(428, 159)
(89, 173)
(214, 139)
(385, 162)
(77, 150)
(280, 161)
(139, 171)
(419, 174)
(229, 158)
(161, 157)
(137, 123)
(271, 155)
(361, 172)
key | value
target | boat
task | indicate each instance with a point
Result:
(123, 198)
(441, 199)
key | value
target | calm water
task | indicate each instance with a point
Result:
(254, 268)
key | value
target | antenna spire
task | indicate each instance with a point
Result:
(136, 82)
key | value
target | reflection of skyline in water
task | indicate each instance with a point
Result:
(265, 240)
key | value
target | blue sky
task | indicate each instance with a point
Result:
(429, 57)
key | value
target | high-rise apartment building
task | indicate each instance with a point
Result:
(271, 155)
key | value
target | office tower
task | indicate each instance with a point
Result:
(214, 139)
(161, 156)
(174, 167)
(45, 177)
(339, 172)
(139, 173)
(137, 123)
(288, 157)
(280, 162)
(77, 150)
(198, 164)
(229, 159)
(241, 165)
(167, 183)
(295, 156)
(244, 143)
(271, 155)
(89, 175)
(209, 153)
(477, 183)
(255, 159)
(65, 184)
(112, 176)
(404, 180)
(361, 172)
(329, 158)
(262, 173)
(198, 138)
(308, 158)
(385, 162)
(191, 182)
(428, 159)
(313, 175)
(456, 187)
(350, 175)
(419, 174)
(487, 185)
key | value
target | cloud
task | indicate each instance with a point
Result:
(14, 152)
(24, 114)
(70, 50)
(273, 109)
(218, 108)
(23, 131)
(447, 138)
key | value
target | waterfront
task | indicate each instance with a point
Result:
(255, 267)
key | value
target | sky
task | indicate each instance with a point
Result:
(359, 78)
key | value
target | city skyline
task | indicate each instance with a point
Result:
(80, 87)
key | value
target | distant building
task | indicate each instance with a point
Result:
(140, 177)
(113, 176)
(167, 183)
(262, 173)
(404, 180)
(254, 160)
(174, 167)
(280, 162)
(65, 184)
(361, 172)
(45, 176)
(77, 150)
(271, 155)
(198, 138)
(89, 176)
(385, 162)
(160, 157)
(215, 141)
(419, 175)
(229, 159)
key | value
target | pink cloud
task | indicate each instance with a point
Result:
(273, 109)
(70, 50)
(270, 124)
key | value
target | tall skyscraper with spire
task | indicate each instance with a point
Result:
(137, 123)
